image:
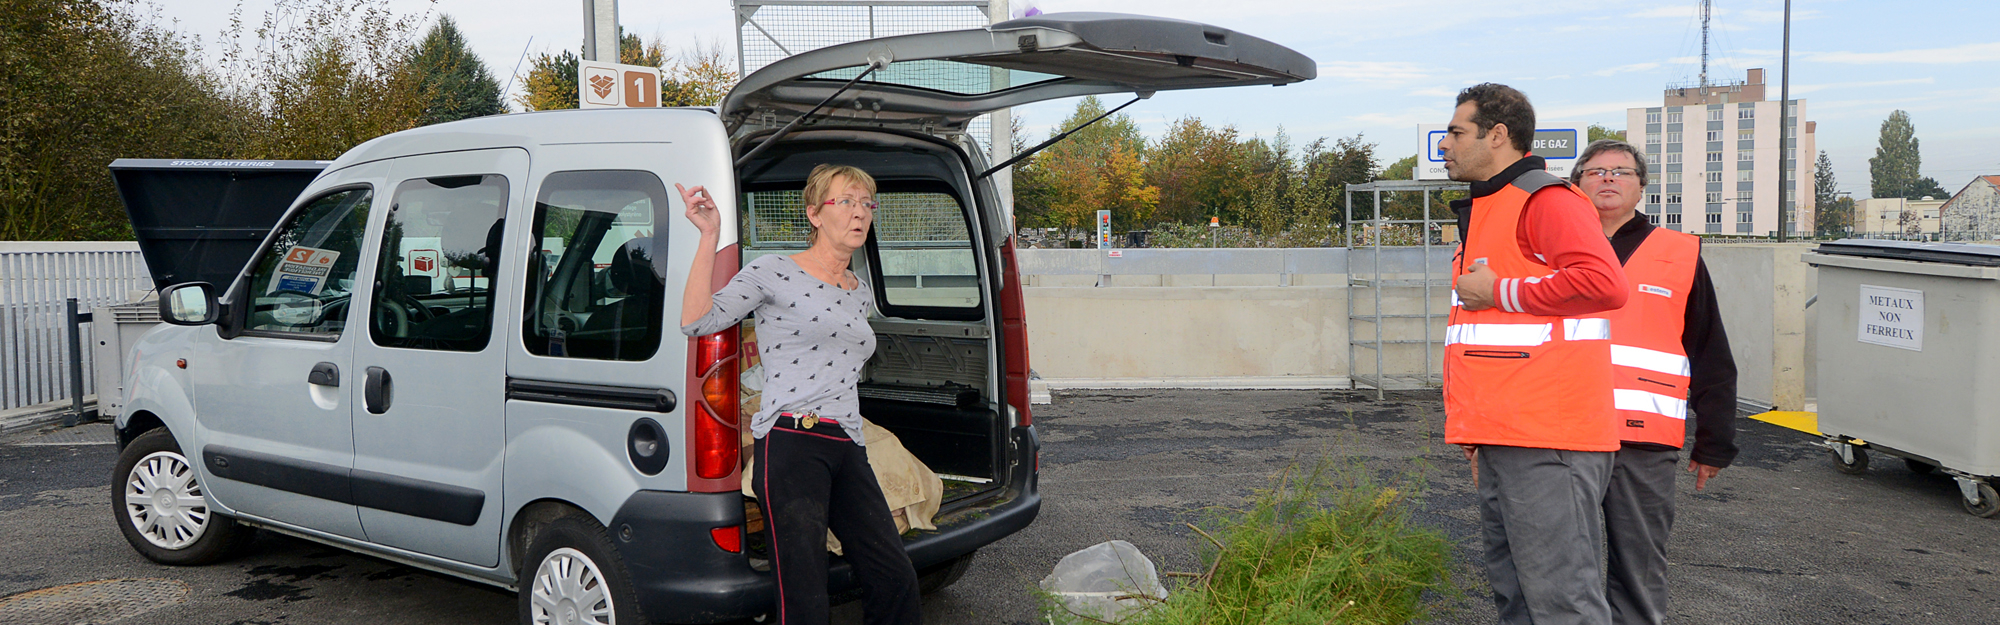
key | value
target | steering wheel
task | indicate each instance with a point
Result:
(394, 316)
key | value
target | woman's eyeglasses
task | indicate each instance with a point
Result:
(1621, 173)
(848, 202)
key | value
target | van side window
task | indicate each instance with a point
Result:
(440, 253)
(596, 285)
(302, 283)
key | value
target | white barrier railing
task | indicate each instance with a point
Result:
(36, 278)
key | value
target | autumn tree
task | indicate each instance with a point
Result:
(324, 76)
(700, 76)
(1202, 172)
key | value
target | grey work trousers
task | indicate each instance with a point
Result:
(1544, 534)
(1638, 515)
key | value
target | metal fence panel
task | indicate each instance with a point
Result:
(35, 280)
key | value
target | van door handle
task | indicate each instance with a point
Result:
(324, 374)
(378, 390)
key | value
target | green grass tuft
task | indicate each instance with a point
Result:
(1324, 544)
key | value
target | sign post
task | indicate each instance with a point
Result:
(1558, 143)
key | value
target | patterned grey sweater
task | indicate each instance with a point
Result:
(813, 338)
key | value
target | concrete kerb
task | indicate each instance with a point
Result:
(41, 415)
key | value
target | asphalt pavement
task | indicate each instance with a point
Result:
(1779, 538)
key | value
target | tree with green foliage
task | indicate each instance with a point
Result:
(455, 82)
(1896, 169)
(1598, 133)
(324, 76)
(83, 82)
(1202, 171)
(1408, 204)
(1832, 217)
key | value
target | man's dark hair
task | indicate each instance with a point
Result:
(1493, 104)
(1601, 146)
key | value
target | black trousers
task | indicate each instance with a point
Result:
(809, 481)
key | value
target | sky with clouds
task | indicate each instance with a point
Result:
(1385, 67)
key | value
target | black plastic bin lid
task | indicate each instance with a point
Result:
(1953, 253)
(200, 220)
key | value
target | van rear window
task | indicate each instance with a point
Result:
(923, 248)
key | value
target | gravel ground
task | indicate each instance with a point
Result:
(1779, 538)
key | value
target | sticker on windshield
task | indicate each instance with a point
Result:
(304, 270)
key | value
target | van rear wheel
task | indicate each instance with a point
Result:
(944, 575)
(159, 504)
(573, 575)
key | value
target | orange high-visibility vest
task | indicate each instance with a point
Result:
(1647, 356)
(1520, 379)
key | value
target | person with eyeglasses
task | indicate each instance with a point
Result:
(811, 472)
(1671, 356)
(1527, 363)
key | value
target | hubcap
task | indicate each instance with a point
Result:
(568, 589)
(164, 502)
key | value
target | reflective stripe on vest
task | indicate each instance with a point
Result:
(1648, 358)
(1515, 378)
(1498, 334)
(1653, 403)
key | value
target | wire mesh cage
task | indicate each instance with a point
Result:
(777, 219)
(770, 30)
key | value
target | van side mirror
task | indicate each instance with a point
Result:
(189, 304)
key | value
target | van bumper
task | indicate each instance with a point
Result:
(681, 576)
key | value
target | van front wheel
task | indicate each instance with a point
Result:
(573, 575)
(160, 507)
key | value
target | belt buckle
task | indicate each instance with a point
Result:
(808, 420)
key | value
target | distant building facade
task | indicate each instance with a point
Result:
(1896, 217)
(1974, 213)
(1713, 154)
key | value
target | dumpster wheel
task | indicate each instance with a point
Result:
(1988, 504)
(1849, 458)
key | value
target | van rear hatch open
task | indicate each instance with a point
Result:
(200, 220)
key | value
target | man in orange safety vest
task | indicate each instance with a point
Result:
(1670, 357)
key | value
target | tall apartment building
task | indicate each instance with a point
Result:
(1713, 154)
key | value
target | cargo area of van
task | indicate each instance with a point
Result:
(933, 377)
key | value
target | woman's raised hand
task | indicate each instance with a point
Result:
(701, 209)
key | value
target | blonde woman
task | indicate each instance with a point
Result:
(811, 472)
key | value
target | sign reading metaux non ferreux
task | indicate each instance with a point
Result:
(1892, 317)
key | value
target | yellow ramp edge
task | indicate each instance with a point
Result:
(1807, 422)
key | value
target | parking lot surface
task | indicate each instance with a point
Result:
(1779, 538)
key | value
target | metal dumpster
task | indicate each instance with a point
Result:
(1909, 349)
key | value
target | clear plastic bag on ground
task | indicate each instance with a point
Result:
(1107, 581)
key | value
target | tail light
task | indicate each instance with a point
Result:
(1014, 326)
(715, 425)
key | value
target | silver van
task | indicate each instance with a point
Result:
(451, 350)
